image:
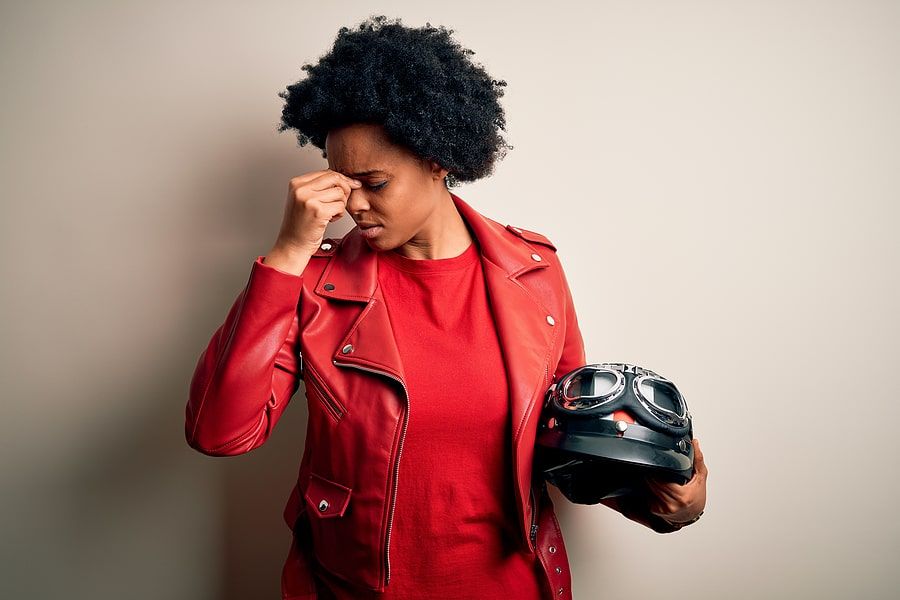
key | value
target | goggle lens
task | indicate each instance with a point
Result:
(592, 388)
(662, 400)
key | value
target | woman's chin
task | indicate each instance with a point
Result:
(375, 243)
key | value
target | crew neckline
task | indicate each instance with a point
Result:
(430, 265)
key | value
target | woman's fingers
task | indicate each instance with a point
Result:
(333, 178)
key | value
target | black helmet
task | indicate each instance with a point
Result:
(606, 426)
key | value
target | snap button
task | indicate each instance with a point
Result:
(551, 320)
(558, 570)
(536, 256)
(323, 505)
(329, 286)
(560, 591)
(326, 246)
(347, 349)
(552, 549)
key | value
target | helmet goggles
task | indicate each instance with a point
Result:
(604, 388)
(610, 424)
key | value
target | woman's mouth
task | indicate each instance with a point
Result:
(370, 232)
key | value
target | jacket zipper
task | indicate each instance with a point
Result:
(534, 526)
(387, 544)
(330, 403)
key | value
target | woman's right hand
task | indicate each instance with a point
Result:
(314, 200)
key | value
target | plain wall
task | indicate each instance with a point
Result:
(721, 180)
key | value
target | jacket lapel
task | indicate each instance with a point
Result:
(525, 335)
(527, 339)
(352, 275)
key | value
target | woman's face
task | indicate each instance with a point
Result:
(400, 191)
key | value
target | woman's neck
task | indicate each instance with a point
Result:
(444, 235)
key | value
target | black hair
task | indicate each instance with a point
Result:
(417, 82)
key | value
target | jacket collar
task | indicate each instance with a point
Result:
(353, 272)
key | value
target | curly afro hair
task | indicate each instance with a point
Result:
(418, 83)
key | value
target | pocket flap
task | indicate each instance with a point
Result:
(325, 497)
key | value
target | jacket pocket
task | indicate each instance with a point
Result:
(328, 400)
(328, 507)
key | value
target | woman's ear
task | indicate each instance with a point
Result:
(437, 171)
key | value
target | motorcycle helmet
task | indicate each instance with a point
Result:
(605, 427)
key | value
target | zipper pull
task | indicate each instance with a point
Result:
(534, 529)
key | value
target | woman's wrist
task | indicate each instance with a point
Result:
(289, 260)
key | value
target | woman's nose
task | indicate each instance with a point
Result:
(357, 203)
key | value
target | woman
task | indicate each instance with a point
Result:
(426, 338)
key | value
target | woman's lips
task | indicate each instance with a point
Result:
(370, 232)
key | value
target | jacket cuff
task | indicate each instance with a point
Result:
(274, 285)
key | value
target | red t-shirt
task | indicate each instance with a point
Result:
(454, 529)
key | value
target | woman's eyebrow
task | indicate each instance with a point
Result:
(365, 173)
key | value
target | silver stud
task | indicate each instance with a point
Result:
(551, 320)
(536, 256)
(323, 505)
(560, 591)
(552, 549)
(329, 286)
(326, 246)
(558, 570)
(621, 425)
(347, 349)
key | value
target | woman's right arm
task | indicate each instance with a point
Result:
(250, 368)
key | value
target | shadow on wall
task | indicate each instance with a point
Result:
(255, 486)
(254, 491)
(118, 480)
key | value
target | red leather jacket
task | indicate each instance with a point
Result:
(330, 328)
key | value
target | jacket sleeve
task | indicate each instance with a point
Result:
(573, 356)
(573, 344)
(249, 371)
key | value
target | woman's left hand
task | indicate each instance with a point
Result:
(678, 503)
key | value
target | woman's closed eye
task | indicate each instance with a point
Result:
(377, 186)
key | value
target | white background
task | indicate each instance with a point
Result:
(721, 180)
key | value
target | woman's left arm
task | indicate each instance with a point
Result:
(666, 503)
